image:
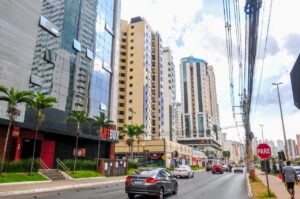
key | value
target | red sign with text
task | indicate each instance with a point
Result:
(263, 151)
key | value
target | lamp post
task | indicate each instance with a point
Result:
(132, 112)
(283, 128)
(262, 132)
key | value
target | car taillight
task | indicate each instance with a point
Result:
(129, 179)
(151, 180)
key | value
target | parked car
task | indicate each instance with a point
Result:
(297, 168)
(183, 171)
(209, 165)
(156, 182)
(217, 169)
(225, 168)
(238, 169)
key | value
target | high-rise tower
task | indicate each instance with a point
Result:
(199, 105)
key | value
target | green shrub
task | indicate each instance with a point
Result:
(196, 167)
(171, 168)
(131, 171)
(132, 165)
(80, 164)
(20, 166)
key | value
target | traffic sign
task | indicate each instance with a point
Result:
(164, 157)
(263, 151)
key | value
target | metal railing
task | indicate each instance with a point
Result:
(62, 165)
(43, 164)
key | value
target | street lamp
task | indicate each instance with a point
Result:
(262, 132)
(283, 128)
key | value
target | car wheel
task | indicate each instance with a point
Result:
(175, 189)
(161, 194)
(193, 175)
(131, 196)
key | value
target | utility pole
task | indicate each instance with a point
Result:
(283, 128)
(262, 132)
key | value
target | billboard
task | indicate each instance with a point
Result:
(295, 81)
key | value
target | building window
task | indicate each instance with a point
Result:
(129, 118)
(132, 34)
(121, 104)
(122, 89)
(131, 48)
(123, 53)
(123, 40)
(131, 77)
(120, 120)
(123, 60)
(130, 85)
(132, 40)
(131, 69)
(131, 54)
(121, 82)
(123, 33)
(123, 67)
(121, 112)
(122, 74)
(121, 96)
(132, 27)
(130, 101)
(130, 93)
(131, 62)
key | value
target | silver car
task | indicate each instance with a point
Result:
(183, 171)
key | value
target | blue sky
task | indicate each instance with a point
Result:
(195, 27)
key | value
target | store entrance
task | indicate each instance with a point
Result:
(27, 148)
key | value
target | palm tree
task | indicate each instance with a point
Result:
(13, 98)
(39, 102)
(226, 155)
(130, 131)
(139, 130)
(79, 117)
(102, 122)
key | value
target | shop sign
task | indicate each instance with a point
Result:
(109, 134)
(16, 132)
(80, 152)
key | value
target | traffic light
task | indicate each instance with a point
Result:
(281, 156)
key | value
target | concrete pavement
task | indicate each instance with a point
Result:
(10, 189)
(277, 186)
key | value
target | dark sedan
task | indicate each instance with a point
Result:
(157, 182)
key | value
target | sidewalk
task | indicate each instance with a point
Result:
(277, 186)
(38, 187)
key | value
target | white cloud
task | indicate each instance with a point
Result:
(205, 39)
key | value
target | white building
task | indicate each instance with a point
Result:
(292, 148)
(199, 105)
(168, 129)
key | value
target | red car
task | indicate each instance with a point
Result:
(217, 169)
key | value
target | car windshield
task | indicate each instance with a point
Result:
(149, 173)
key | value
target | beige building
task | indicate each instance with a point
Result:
(298, 144)
(182, 154)
(140, 70)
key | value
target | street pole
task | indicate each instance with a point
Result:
(266, 171)
(262, 132)
(283, 128)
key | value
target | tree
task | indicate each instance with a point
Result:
(13, 98)
(79, 117)
(39, 102)
(226, 155)
(139, 130)
(102, 122)
(130, 131)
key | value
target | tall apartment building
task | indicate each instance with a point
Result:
(75, 57)
(199, 103)
(298, 143)
(140, 88)
(18, 22)
(168, 128)
(280, 145)
(178, 120)
(292, 148)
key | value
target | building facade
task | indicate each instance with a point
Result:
(292, 148)
(199, 105)
(168, 127)
(140, 88)
(75, 60)
(298, 143)
(178, 120)
(18, 35)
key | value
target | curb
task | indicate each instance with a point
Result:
(248, 186)
(40, 190)
(26, 182)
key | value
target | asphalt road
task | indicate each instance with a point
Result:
(204, 185)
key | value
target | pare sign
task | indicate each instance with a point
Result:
(263, 151)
